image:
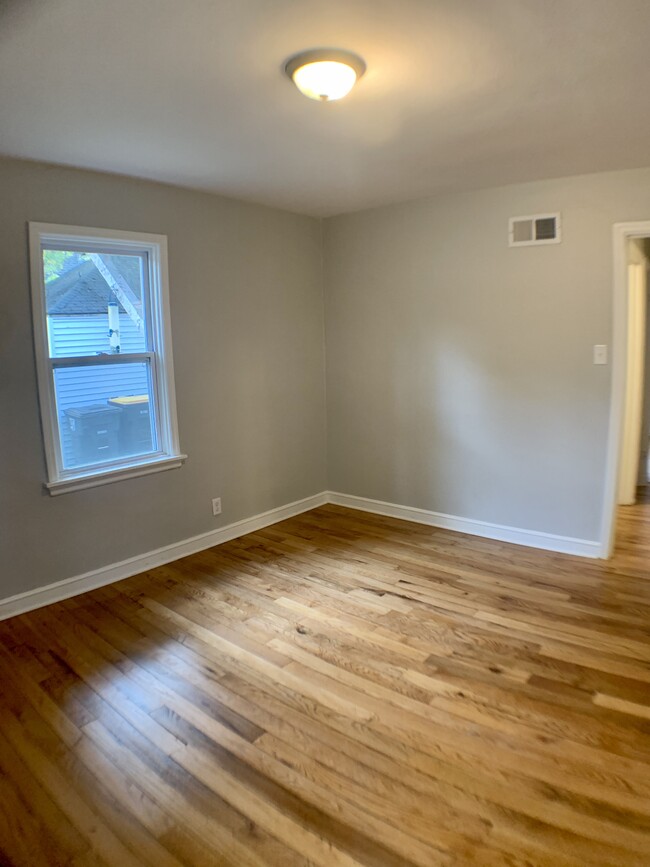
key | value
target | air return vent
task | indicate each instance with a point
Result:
(538, 229)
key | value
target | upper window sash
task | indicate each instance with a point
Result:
(111, 272)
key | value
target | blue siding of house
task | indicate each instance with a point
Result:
(88, 335)
(84, 386)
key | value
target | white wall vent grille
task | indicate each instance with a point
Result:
(537, 229)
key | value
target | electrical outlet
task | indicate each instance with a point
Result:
(216, 506)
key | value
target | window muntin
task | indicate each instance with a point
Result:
(103, 348)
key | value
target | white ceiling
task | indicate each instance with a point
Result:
(458, 94)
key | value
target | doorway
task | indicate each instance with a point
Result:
(627, 464)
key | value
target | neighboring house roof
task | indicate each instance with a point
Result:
(81, 291)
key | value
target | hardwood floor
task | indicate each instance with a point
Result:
(340, 689)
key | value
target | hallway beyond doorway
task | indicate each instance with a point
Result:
(632, 551)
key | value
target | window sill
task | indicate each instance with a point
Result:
(105, 477)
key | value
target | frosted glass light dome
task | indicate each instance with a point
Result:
(325, 74)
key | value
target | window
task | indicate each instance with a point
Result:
(103, 352)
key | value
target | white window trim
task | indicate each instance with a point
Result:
(169, 455)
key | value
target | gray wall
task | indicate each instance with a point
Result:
(247, 325)
(459, 370)
(459, 374)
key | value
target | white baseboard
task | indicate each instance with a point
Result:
(41, 596)
(124, 569)
(514, 535)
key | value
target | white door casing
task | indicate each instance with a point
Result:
(634, 386)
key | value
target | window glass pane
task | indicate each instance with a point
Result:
(95, 303)
(105, 412)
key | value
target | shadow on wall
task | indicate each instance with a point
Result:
(457, 414)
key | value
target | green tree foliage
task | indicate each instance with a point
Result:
(57, 262)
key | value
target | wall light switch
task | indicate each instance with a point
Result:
(600, 354)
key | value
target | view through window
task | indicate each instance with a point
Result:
(107, 392)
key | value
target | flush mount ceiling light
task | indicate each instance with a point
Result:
(325, 74)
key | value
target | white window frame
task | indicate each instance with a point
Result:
(158, 355)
